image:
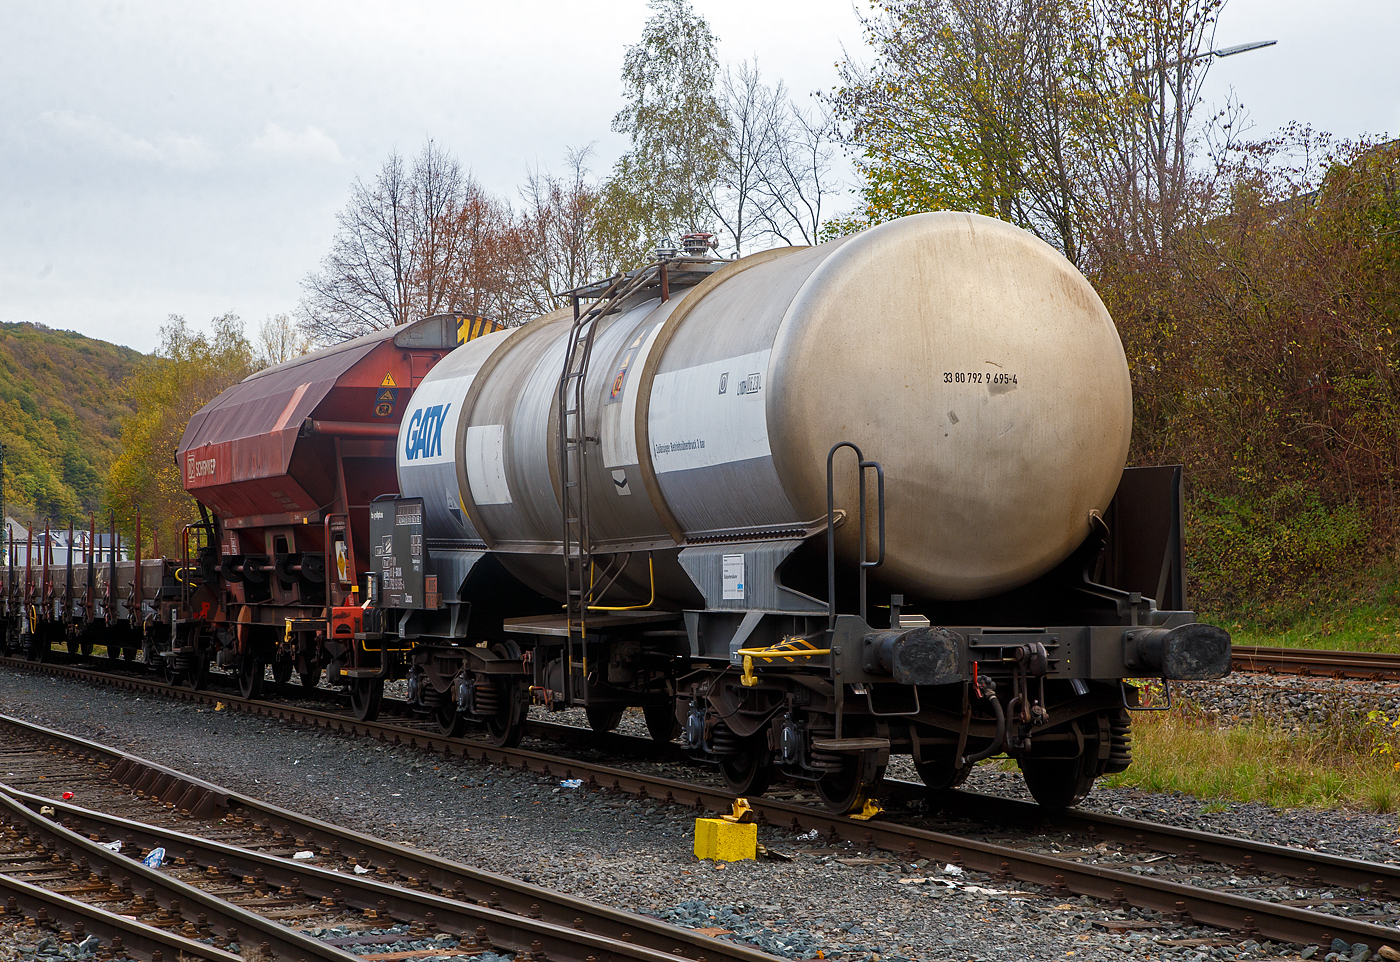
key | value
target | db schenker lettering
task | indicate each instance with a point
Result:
(200, 469)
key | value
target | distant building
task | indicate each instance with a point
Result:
(16, 545)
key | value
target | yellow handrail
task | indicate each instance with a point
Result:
(749, 679)
(651, 568)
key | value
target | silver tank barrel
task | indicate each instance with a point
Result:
(969, 358)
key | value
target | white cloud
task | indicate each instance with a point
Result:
(170, 150)
(313, 144)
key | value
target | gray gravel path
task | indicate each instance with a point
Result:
(638, 855)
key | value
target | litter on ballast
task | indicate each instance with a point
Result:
(968, 887)
(303, 856)
(808, 836)
(571, 783)
(361, 870)
(952, 870)
(113, 846)
(154, 859)
(67, 796)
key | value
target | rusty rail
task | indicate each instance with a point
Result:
(518, 912)
(59, 913)
(1316, 662)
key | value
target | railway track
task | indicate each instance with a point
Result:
(1368, 665)
(246, 869)
(1327, 891)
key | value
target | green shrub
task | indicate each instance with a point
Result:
(1242, 551)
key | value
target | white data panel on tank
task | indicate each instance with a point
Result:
(710, 414)
(484, 455)
(619, 414)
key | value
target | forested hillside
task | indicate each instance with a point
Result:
(62, 400)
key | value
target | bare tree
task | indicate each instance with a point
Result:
(562, 239)
(393, 251)
(483, 237)
(796, 174)
(1149, 61)
(438, 192)
(756, 119)
(776, 165)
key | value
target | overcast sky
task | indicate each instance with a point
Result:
(189, 158)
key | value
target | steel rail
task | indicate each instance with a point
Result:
(1309, 867)
(49, 909)
(504, 893)
(1367, 665)
(1212, 907)
(168, 892)
(493, 926)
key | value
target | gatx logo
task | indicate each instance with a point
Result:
(424, 437)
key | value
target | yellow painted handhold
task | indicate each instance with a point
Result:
(725, 841)
(748, 677)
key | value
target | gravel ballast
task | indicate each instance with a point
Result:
(638, 854)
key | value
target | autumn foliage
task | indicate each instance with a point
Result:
(188, 370)
(1265, 354)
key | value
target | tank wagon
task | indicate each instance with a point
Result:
(805, 510)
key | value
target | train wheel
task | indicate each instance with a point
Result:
(73, 646)
(86, 649)
(170, 670)
(196, 675)
(507, 726)
(847, 789)
(282, 670)
(312, 678)
(366, 694)
(662, 723)
(1057, 783)
(748, 771)
(939, 771)
(250, 676)
(128, 654)
(603, 718)
(34, 648)
(450, 721)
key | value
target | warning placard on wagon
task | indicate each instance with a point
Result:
(710, 414)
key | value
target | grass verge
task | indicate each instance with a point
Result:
(1367, 627)
(1360, 612)
(1350, 764)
